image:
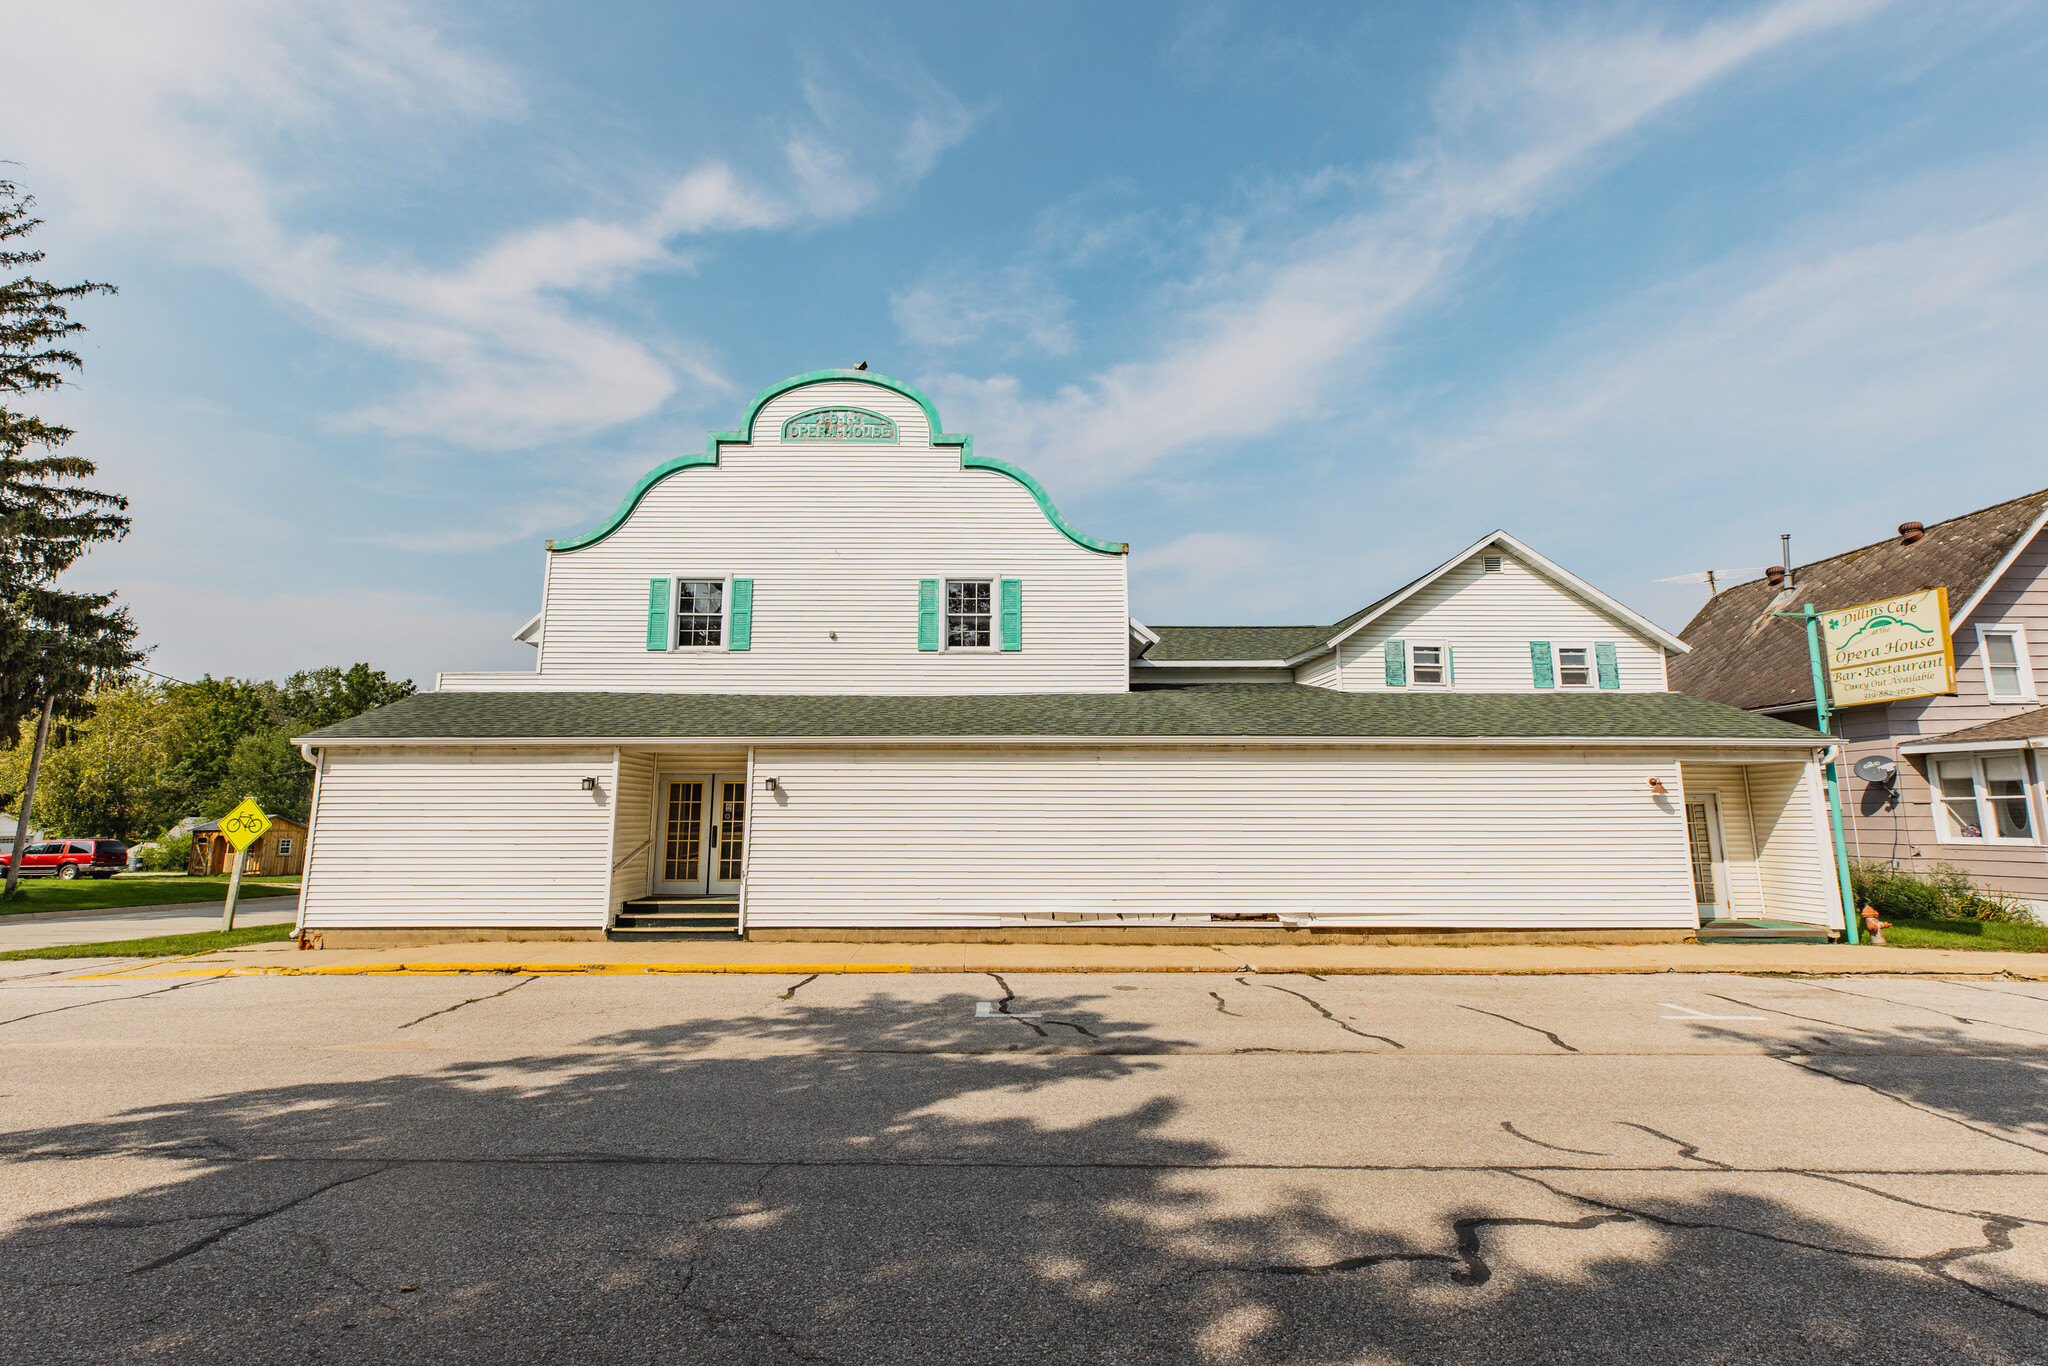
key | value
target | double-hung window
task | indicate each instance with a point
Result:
(1574, 666)
(970, 614)
(700, 612)
(2008, 676)
(1983, 797)
(1428, 664)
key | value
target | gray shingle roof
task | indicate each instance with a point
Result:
(1746, 658)
(1244, 709)
(1232, 642)
(2026, 725)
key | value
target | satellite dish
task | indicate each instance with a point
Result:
(1876, 769)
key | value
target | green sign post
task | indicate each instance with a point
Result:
(1823, 714)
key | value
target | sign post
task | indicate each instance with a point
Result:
(1876, 652)
(243, 826)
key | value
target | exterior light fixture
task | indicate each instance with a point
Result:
(774, 784)
(590, 784)
(1657, 786)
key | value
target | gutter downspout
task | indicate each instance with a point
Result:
(318, 759)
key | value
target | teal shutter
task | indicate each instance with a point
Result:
(1539, 664)
(657, 614)
(739, 616)
(1450, 667)
(1012, 623)
(927, 614)
(1610, 668)
(1397, 664)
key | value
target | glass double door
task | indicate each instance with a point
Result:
(700, 825)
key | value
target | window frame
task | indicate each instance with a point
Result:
(995, 612)
(2020, 657)
(284, 846)
(1557, 649)
(1443, 663)
(675, 613)
(1980, 788)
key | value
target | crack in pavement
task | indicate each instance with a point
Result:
(201, 1244)
(1688, 1152)
(470, 1002)
(1326, 1014)
(1519, 1025)
(1582, 1152)
(1915, 1005)
(1003, 1007)
(798, 987)
(1912, 1105)
(1810, 1019)
(1997, 1234)
(1221, 1011)
(1919, 1204)
(109, 1000)
(1476, 1269)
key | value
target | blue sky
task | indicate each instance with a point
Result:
(1296, 299)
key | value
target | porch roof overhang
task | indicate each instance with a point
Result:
(1222, 713)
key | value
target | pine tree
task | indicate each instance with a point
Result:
(53, 643)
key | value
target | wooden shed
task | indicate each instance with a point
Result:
(280, 853)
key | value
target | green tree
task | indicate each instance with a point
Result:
(212, 717)
(53, 644)
(321, 697)
(107, 777)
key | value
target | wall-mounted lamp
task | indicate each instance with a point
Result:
(590, 784)
(1657, 786)
(774, 784)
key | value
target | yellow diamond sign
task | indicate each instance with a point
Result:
(244, 825)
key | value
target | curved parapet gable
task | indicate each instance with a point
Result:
(968, 460)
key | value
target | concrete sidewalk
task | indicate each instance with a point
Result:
(734, 956)
(50, 929)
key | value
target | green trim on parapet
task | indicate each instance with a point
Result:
(968, 460)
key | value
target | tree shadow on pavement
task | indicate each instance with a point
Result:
(853, 1185)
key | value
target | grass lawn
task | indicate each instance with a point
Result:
(136, 889)
(163, 946)
(1966, 934)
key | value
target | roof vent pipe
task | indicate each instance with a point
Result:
(1775, 576)
(1785, 558)
(1911, 533)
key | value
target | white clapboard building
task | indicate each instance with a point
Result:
(841, 675)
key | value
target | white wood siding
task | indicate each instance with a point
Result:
(1729, 786)
(1488, 621)
(1795, 849)
(428, 838)
(836, 536)
(1521, 840)
(632, 827)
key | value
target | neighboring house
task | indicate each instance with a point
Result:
(842, 675)
(281, 852)
(1979, 746)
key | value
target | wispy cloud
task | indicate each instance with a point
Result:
(1273, 339)
(1210, 576)
(188, 118)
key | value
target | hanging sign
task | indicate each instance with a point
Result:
(1889, 650)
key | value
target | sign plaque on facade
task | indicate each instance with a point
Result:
(839, 424)
(1889, 650)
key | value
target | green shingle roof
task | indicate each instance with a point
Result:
(1231, 642)
(1218, 710)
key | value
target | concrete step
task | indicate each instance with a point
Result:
(1760, 932)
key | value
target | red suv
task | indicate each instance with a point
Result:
(71, 858)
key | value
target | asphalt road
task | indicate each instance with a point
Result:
(1161, 1168)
